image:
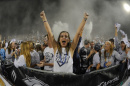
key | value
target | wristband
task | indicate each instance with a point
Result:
(44, 21)
(85, 19)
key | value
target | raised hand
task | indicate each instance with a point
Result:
(108, 64)
(43, 16)
(86, 16)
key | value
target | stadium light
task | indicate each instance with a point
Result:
(126, 7)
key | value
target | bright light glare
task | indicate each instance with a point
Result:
(126, 7)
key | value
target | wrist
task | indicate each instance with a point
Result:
(85, 19)
(44, 19)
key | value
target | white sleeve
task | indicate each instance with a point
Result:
(128, 54)
(118, 56)
(19, 62)
(97, 60)
(44, 51)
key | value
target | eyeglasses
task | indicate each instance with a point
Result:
(62, 36)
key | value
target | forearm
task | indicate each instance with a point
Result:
(47, 27)
(48, 64)
(88, 56)
(79, 32)
(116, 34)
(98, 66)
(81, 27)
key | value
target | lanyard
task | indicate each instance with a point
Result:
(61, 59)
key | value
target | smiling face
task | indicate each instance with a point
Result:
(64, 39)
(123, 45)
(107, 46)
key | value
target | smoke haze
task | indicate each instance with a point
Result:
(21, 18)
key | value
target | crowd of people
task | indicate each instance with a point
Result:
(65, 55)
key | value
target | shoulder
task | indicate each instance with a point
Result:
(46, 48)
(21, 56)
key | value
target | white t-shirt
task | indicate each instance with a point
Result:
(63, 62)
(49, 57)
(96, 60)
(128, 54)
(20, 61)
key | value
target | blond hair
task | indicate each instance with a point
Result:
(25, 50)
(31, 45)
(111, 50)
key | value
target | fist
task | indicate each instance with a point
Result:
(86, 15)
(42, 14)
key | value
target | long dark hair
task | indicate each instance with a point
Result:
(125, 45)
(9, 47)
(59, 45)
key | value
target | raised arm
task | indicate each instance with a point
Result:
(116, 39)
(80, 29)
(48, 29)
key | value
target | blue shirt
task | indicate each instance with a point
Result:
(2, 53)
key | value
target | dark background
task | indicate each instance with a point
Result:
(18, 18)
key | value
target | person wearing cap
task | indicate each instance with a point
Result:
(120, 48)
(109, 55)
(96, 58)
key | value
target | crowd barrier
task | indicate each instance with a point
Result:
(24, 76)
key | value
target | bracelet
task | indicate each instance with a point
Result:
(44, 21)
(85, 19)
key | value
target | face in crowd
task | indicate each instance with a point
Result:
(123, 46)
(108, 46)
(64, 39)
(46, 40)
(92, 45)
(87, 45)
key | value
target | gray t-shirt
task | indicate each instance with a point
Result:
(115, 55)
(35, 58)
(96, 60)
(8, 56)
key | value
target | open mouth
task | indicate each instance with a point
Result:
(63, 42)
